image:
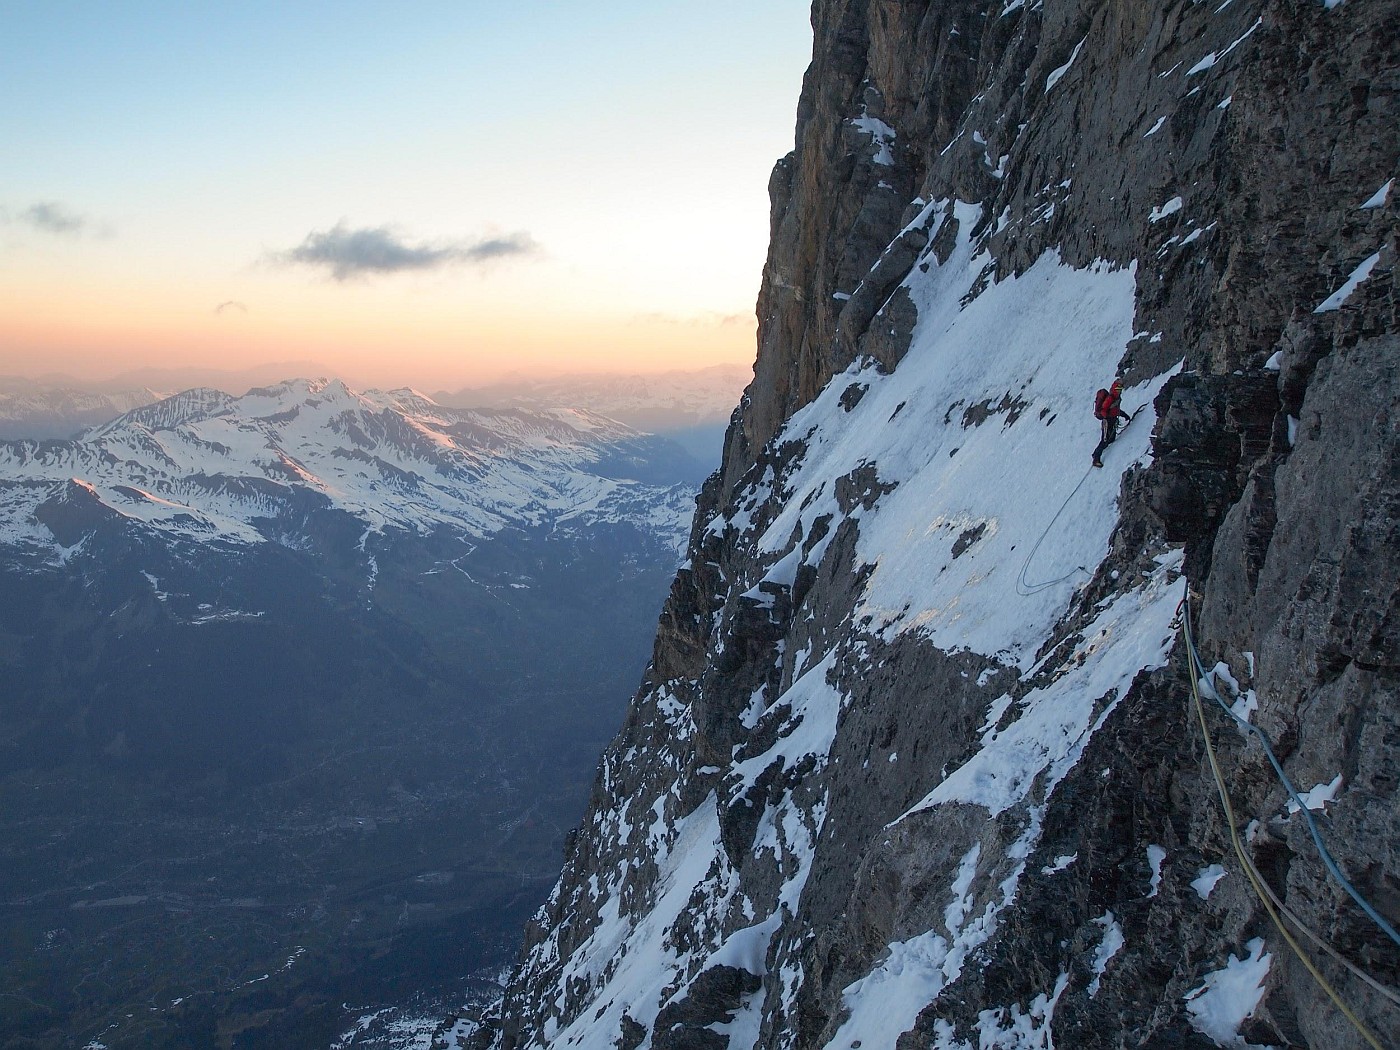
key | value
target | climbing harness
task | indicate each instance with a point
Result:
(1023, 587)
(1272, 905)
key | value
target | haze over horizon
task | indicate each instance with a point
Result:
(235, 381)
(435, 199)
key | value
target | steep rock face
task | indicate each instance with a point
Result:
(879, 786)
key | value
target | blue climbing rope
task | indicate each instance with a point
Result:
(1198, 670)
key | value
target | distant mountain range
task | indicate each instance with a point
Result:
(206, 465)
(691, 407)
(656, 401)
(33, 410)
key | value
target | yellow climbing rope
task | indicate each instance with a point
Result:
(1255, 879)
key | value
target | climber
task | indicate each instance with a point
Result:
(1108, 408)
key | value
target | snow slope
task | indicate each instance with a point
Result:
(1024, 352)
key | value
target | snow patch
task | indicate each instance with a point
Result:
(1205, 880)
(1109, 946)
(1155, 856)
(1012, 1028)
(886, 1002)
(1229, 996)
(1318, 796)
(1203, 64)
(1171, 207)
(1342, 294)
(1058, 73)
(1378, 199)
(1245, 706)
(1211, 59)
(881, 134)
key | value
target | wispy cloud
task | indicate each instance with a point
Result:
(53, 217)
(705, 319)
(232, 305)
(348, 253)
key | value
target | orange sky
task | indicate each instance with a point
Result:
(392, 332)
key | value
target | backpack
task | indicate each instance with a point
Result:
(1101, 403)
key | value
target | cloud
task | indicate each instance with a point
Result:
(53, 217)
(704, 319)
(348, 253)
(231, 304)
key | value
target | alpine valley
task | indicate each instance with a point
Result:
(301, 690)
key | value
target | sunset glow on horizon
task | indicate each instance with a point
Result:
(435, 196)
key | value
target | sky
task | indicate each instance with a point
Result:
(421, 193)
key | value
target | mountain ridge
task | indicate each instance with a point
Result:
(302, 689)
(212, 465)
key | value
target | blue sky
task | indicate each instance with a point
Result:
(166, 159)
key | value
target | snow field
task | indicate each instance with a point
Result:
(1041, 343)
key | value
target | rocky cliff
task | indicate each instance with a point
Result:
(917, 760)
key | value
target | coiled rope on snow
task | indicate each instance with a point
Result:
(1024, 588)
